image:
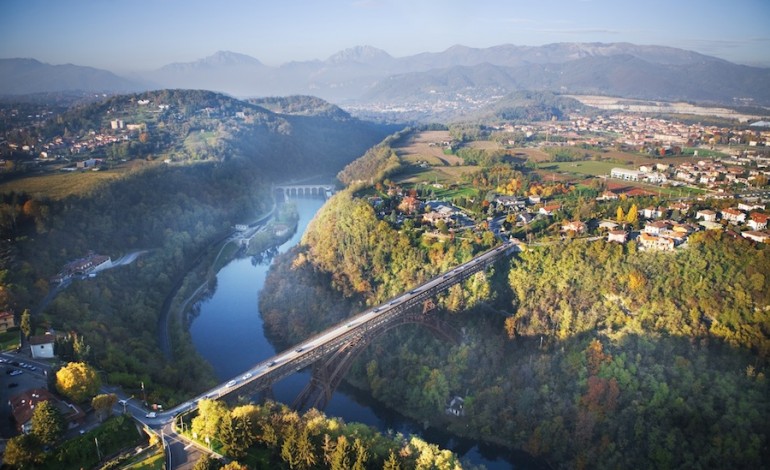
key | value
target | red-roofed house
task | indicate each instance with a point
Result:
(733, 215)
(619, 236)
(654, 242)
(758, 221)
(549, 209)
(23, 405)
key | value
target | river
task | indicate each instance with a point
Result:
(228, 332)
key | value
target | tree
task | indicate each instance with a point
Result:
(236, 435)
(362, 455)
(103, 404)
(620, 217)
(340, 460)
(23, 451)
(77, 381)
(47, 422)
(206, 462)
(26, 323)
(633, 214)
(392, 462)
(210, 415)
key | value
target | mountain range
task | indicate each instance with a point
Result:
(368, 76)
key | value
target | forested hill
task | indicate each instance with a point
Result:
(197, 125)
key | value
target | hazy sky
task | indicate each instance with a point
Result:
(125, 35)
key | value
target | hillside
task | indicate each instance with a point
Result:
(223, 156)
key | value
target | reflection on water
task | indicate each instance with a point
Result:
(228, 332)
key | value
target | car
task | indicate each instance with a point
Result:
(151, 414)
(32, 368)
(12, 385)
(351, 324)
(17, 372)
(246, 376)
(230, 383)
(299, 349)
(271, 364)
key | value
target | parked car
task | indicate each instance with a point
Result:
(12, 385)
(17, 372)
(151, 414)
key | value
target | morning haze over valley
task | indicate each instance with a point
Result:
(380, 234)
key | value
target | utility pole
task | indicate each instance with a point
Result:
(144, 394)
(98, 452)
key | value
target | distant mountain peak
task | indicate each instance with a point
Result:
(218, 59)
(360, 54)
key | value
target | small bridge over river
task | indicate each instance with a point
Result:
(332, 351)
(289, 190)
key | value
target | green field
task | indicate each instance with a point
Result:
(589, 168)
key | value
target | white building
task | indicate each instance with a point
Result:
(624, 174)
(42, 346)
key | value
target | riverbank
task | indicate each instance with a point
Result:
(200, 280)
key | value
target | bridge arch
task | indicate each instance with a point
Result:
(328, 374)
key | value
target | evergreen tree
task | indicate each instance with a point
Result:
(392, 463)
(47, 422)
(26, 323)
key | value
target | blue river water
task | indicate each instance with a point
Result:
(228, 332)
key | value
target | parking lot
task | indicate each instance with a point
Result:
(12, 385)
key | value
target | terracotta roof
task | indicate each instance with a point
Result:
(42, 339)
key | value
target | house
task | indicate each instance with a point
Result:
(23, 405)
(624, 174)
(757, 236)
(549, 209)
(619, 236)
(7, 321)
(652, 212)
(750, 207)
(654, 242)
(42, 346)
(608, 225)
(511, 202)
(707, 215)
(682, 207)
(607, 196)
(574, 226)
(456, 406)
(524, 218)
(709, 225)
(758, 221)
(658, 227)
(733, 215)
